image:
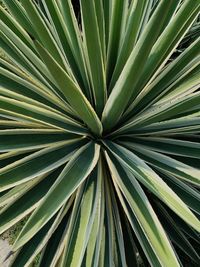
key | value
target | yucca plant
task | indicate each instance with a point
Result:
(99, 132)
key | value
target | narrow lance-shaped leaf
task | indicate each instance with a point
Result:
(101, 27)
(166, 43)
(34, 101)
(40, 115)
(121, 256)
(188, 194)
(167, 145)
(23, 205)
(100, 234)
(164, 111)
(176, 234)
(55, 246)
(94, 54)
(25, 139)
(37, 163)
(61, 17)
(144, 213)
(124, 86)
(183, 87)
(12, 23)
(29, 252)
(117, 20)
(178, 68)
(25, 56)
(145, 250)
(42, 30)
(108, 246)
(14, 82)
(75, 249)
(89, 257)
(15, 193)
(136, 12)
(75, 172)
(169, 164)
(176, 126)
(107, 15)
(153, 182)
(72, 92)
(19, 14)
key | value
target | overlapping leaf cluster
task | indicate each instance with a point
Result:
(99, 131)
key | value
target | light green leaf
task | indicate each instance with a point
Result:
(25, 56)
(72, 92)
(16, 27)
(61, 17)
(167, 163)
(125, 85)
(139, 169)
(144, 214)
(117, 22)
(26, 139)
(134, 21)
(185, 124)
(75, 172)
(186, 192)
(23, 205)
(164, 111)
(175, 234)
(42, 31)
(167, 42)
(32, 89)
(40, 115)
(37, 163)
(181, 66)
(29, 252)
(94, 54)
(80, 231)
(19, 14)
(167, 145)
